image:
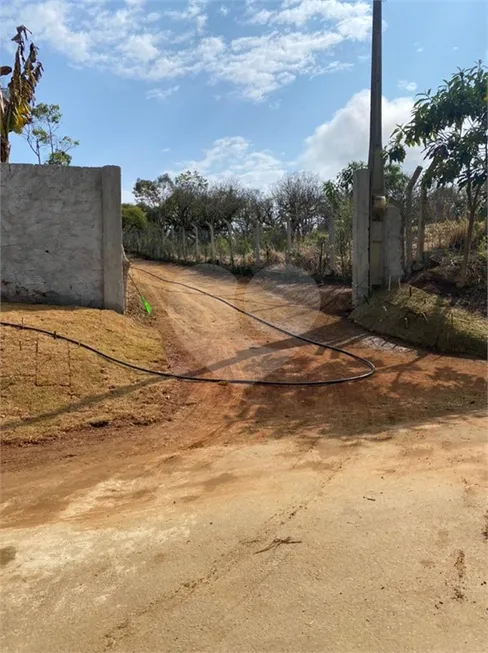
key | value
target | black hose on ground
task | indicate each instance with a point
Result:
(186, 377)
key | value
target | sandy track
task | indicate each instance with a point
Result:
(372, 496)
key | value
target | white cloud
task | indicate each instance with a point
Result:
(235, 157)
(223, 10)
(127, 40)
(260, 17)
(345, 137)
(161, 94)
(141, 47)
(418, 47)
(259, 65)
(275, 105)
(300, 12)
(405, 85)
(332, 146)
(194, 12)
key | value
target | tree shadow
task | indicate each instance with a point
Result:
(418, 389)
(86, 402)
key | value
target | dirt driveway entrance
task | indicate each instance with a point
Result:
(342, 518)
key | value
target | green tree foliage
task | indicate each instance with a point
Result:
(184, 205)
(450, 125)
(339, 211)
(153, 195)
(395, 179)
(133, 217)
(43, 139)
(17, 100)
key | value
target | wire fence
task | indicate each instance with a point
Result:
(238, 250)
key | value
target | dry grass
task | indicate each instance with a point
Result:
(49, 386)
(424, 319)
(450, 234)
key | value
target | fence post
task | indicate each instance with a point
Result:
(231, 243)
(162, 244)
(257, 243)
(171, 239)
(288, 239)
(332, 245)
(183, 242)
(408, 220)
(212, 241)
(421, 228)
(197, 248)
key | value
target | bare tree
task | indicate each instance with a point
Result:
(299, 200)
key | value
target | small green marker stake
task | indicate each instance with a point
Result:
(146, 304)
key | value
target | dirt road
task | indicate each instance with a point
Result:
(342, 518)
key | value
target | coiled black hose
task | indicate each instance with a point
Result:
(186, 377)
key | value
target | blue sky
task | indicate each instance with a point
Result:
(247, 89)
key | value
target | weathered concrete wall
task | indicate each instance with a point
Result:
(377, 248)
(360, 237)
(61, 235)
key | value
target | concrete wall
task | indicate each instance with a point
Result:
(61, 235)
(377, 246)
(360, 237)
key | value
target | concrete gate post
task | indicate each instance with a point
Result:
(112, 247)
(360, 237)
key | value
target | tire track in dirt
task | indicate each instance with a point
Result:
(226, 562)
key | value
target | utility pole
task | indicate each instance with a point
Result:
(375, 158)
(377, 253)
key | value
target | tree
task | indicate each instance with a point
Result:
(41, 134)
(450, 125)
(395, 179)
(339, 213)
(225, 201)
(184, 205)
(299, 199)
(16, 101)
(153, 195)
(133, 217)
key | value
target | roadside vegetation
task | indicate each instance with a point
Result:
(424, 319)
(50, 387)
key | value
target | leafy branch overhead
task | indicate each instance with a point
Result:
(451, 127)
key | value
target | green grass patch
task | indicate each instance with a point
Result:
(424, 319)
